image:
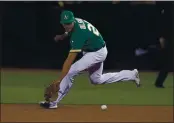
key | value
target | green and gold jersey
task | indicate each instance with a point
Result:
(85, 37)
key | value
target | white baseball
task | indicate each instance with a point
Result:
(103, 107)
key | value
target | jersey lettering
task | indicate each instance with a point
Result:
(79, 20)
(90, 26)
(81, 23)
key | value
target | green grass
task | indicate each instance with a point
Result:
(28, 87)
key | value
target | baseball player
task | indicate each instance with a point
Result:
(87, 39)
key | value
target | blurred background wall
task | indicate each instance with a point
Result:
(28, 29)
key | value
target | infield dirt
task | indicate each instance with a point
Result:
(85, 113)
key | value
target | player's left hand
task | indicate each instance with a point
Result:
(58, 38)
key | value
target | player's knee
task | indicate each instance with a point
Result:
(95, 81)
(70, 74)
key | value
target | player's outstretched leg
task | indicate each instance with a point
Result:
(97, 77)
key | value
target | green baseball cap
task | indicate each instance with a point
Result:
(67, 17)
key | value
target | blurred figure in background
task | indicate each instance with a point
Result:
(116, 1)
(165, 62)
(62, 4)
(160, 51)
(165, 40)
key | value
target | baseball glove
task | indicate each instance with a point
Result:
(50, 91)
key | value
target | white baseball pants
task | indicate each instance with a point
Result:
(93, 62)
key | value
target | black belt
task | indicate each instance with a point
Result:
(95, 49)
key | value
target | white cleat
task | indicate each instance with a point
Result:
(137, 79)
(53, 105)
(48, 105)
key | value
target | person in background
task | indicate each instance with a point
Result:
(162, 49)
(165, 40)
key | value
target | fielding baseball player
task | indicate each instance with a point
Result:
(87, 39)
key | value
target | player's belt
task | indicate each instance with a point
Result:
(95, 49)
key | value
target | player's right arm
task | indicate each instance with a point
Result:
(61, 37)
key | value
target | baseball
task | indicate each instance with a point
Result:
(103, 107)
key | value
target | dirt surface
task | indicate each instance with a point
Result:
(85, 113)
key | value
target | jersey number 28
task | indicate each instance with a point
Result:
(90, 26)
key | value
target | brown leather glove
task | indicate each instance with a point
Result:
(50, 91)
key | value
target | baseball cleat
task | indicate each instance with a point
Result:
(159, 86)
(137, 79)
(48, 105)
